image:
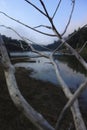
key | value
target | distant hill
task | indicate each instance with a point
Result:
(14, 45)
(54, 45)
(39, 48)
(76, 41)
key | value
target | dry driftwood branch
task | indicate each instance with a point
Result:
(35, 7)
(50, 20)
(79, 58)
(48, 27)
(78, 120)
(76, 54)
(81, 49)
(51, 35)
(21, 37)
(37, 44)
(75, 107)
(27, 41)
(18, 99)
(77, 93)
(24, 38)
(73, 102)
(73, 5)
(58, 5)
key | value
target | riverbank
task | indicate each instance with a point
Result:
(45, 97)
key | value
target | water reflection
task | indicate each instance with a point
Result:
(44, 70)
(73, 63)
(72, 72)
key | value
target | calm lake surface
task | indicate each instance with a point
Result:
(70, 69)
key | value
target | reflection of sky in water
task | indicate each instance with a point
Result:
(43, 70)
(72, 78)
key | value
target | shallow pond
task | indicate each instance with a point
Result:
(71, 71)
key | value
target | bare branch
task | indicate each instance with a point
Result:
(38, 44)
(75, 107)
(73, 5)
(82, 47)
(75, 53)
(79, 58)
(42, 3)
(18, 99)
(71, 101)
(56, 9)
(58, 48)
(27, 25)
(50, 20)
(27, 41)
(48, 27)
(23, 38)
(69, 37)
(21, 45)
(35, 7)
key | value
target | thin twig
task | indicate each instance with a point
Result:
(36, 118)
(38, 44)
(50, 19)
(48, 27)
(25, 37)
(35, 7)
(27, 25)
(71, 101)
(82, 47)
(73, 5)
(56, 9)
(42, 3)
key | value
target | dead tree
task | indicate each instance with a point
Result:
(37, 119)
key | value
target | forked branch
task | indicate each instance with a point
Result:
(47, 34)
(27, 40)
(78, 120)
(18, 99)
(35, 7)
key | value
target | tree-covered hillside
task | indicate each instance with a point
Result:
(80, 37)
(13, 45)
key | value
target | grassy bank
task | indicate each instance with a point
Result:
(43, 96)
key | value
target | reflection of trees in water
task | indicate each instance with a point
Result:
(72, 62)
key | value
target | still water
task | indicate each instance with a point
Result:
(71, 71)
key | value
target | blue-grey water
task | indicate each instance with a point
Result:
(44, 70)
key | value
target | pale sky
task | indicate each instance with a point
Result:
(22, 11)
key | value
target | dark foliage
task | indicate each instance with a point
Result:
(13, 45)
(79, 38)
(76, 41)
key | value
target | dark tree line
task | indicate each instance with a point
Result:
(75, 41)
(79, 38)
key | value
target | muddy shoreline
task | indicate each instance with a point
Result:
(45, 97)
